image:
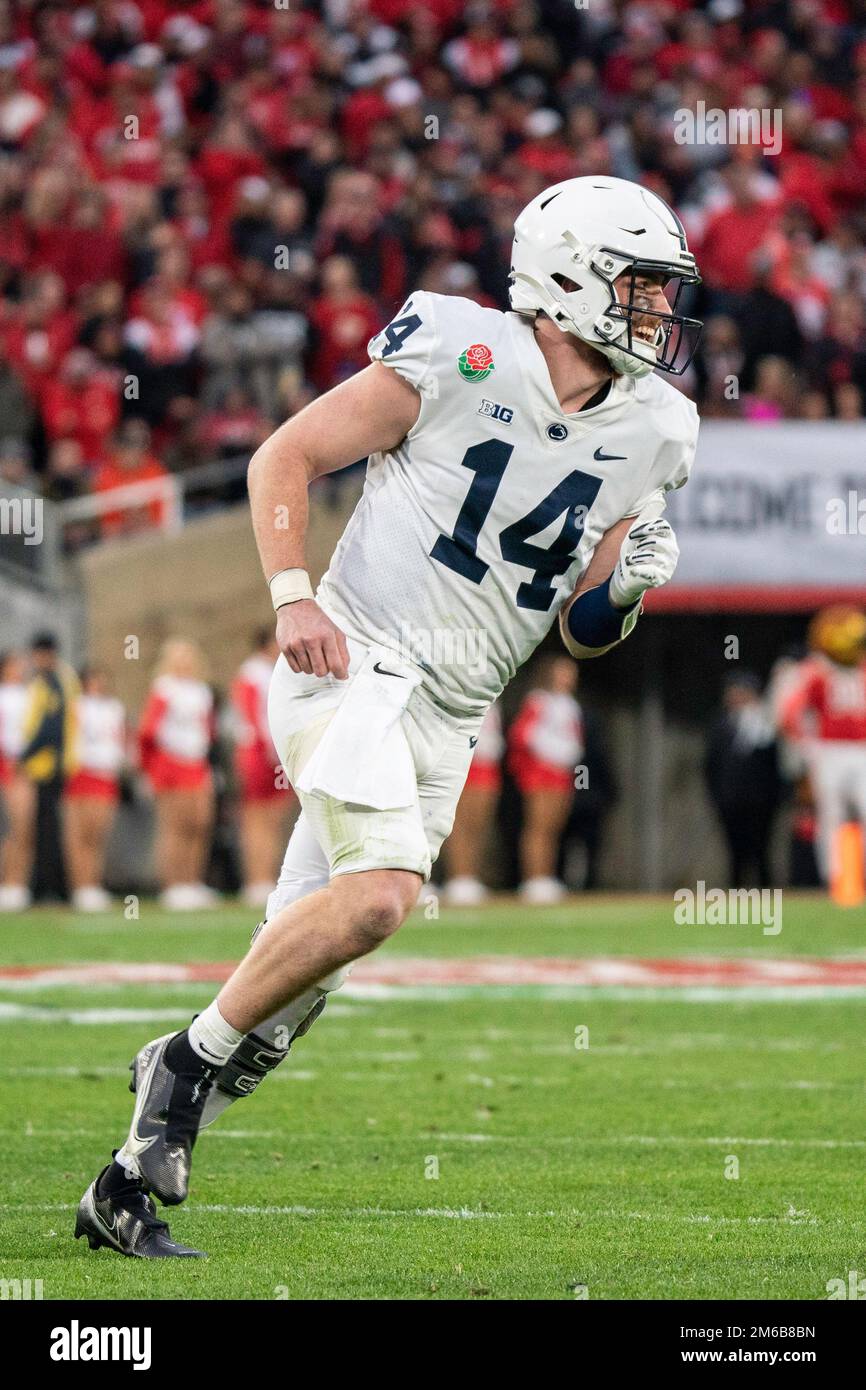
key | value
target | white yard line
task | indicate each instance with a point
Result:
(639, 994)
(35, 1013)
(540, 1141)
(646, 1140)
(223, 1208)
(790, 1218)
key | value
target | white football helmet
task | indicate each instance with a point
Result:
(587, 232)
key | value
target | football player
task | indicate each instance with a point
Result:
(824, 713)
(518, 466)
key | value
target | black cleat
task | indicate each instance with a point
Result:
(165, 1121)
(127, 1222)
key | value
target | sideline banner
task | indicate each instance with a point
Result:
(772, 518)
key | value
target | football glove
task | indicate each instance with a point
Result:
(647, 560)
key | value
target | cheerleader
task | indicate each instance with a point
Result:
(545, 746)
(264, 795)
(475, 810)
(174, 738)
(17, 792)
(92, 790)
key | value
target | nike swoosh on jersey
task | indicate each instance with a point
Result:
(380, 670)
(605, 458)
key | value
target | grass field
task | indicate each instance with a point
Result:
(560, 1168)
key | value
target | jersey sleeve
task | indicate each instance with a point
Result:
(406, 344)
(672, 466)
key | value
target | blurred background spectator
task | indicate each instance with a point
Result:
(17, 795)
(545, 746)
(743, 777)
(595, 794)
(823, 711)
(466, 850)
(175, 734)
(92, 790)
(265, 802)
(46, 757)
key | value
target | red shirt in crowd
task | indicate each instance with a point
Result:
(136, 518)
(88, 413)
(344, 328)
(730, 241)
(35, 352)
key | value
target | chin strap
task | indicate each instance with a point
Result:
(625, 362)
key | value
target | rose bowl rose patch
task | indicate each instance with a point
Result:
(475, 362)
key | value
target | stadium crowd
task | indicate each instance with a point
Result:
(207, 209)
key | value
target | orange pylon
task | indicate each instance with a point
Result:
(847, 888)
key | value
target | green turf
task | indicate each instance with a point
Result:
(557, 1167)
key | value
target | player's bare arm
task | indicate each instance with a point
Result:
(601, 566)
(371, 412)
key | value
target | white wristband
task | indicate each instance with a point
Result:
(288, 586)
(622, 593)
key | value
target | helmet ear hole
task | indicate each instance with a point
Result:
(570, 286)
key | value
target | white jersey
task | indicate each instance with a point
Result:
(100, 734)
(472, 533)
(13, 708)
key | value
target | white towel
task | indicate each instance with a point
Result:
(363, 756)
